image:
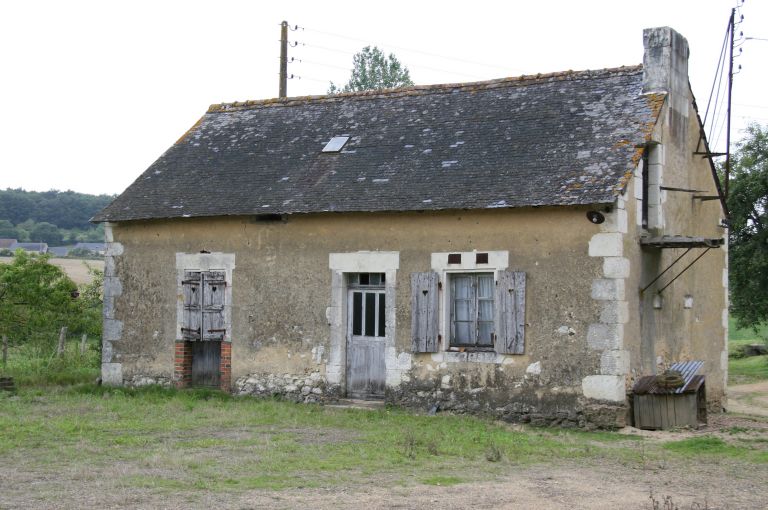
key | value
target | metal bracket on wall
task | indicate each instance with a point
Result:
(678, 274)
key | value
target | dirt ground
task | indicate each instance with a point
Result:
(749, 399)
(592, 485)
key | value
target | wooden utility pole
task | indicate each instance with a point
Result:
(732, 25)
(62, 342)
(283, 59)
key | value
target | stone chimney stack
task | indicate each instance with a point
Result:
(665, 69)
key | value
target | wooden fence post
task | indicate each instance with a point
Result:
(83, 343)
(62, 340)
(5, 350)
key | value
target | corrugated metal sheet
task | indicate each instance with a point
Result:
(648, 386)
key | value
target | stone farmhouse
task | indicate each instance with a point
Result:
(519, 247)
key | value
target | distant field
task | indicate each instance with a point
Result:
(75, 268)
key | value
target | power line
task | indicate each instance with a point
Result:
(410, 66)
(413, 50)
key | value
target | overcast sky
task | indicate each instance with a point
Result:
(95, 91)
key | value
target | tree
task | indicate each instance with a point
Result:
(45, 232)
(748, 236)
(36, 299)
(373, 71)
(7, 230)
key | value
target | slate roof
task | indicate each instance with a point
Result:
(59, 251)
(546, 140)
(31, 247)
(95, 247)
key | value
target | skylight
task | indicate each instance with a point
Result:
(336, 144)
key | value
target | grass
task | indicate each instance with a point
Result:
(170, 440)
(32, 365)
(709, 447)
(746, 370)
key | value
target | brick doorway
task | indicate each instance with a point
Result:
(205, 364)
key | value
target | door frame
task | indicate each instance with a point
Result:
(341, 264)
(377, 290)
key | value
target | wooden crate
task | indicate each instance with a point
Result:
(654, 412)
(655, 407)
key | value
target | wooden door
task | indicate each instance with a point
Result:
(366, 372)
(206, 363)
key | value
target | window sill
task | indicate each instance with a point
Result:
(474, 356)
(470, 349)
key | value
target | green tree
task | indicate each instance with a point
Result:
(89, 305)
(372, 70)
(7, 230)
(66, 209)
(45, 232)
(36, 299)
(748, 235)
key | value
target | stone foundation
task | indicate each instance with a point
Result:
(567, 410)
(297, 388)
(139, 380)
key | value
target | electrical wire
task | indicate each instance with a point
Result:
(412, 50)
(718, 72)
(410, 66)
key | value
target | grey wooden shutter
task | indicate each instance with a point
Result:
(510, 296)
(424, 298)
(214, 285)
(192, 288)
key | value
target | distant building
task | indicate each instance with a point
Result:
(5, 244)
(59, 251)
(95, 248)
(30, 247)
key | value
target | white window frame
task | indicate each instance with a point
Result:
(475, 319)
(497, 261)
(379, 290)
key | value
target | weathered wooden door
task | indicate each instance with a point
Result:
(203, 324)
(206, 363)
(366, 373)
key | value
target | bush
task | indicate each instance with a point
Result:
(33, 365)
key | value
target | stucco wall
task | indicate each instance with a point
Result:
(662, 328)
(281, 291)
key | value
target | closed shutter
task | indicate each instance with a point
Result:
(193, 291)
(214, 285)
(424, 299)
(510, 296)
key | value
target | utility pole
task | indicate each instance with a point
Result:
(730, 88)
(283, 59)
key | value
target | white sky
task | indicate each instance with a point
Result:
(95, 91)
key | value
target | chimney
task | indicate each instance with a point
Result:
(665, 69)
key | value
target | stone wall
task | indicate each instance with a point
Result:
(529, 403)
(307, 388)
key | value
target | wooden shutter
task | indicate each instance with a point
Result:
(192, 288)
(424, 298)
(214, 285)
(510, 298)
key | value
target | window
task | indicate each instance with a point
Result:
(478, 305)
(368, 304)
(336, 143)
(472, 310)
(203, 317)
